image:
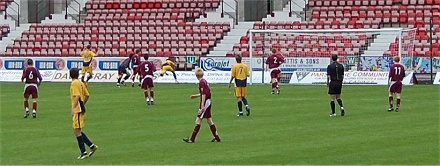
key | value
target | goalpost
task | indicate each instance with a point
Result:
(310, 50)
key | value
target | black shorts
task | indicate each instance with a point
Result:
(335, 87)
(122, 70)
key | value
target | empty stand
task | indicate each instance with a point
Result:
(117, 27)
(352, 14)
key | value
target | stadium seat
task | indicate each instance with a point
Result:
(4, 30)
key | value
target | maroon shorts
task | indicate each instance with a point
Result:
(30, 90)
(147, 82)
(395, 87)
(274, 73)
(207, 113)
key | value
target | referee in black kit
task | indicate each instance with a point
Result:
(335, 76)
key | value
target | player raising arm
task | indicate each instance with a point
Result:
(124, 68)
(335, 77)
(87, 54)
(239, 73)
(204, 109)
(396, 75)
(273, 63)
(169, 66)
(146, 70)
(32, 79)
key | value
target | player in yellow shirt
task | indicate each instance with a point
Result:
(169, 65)
(239, 73)
(79, 96)
(87, 55)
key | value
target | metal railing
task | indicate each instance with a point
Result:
(235, 18)
(431, 29)
(11, 15)
(303, 17)
(68, 5)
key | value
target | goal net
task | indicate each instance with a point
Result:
(310, 50)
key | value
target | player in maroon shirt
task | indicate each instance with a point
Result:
(29, 77)
(204, 109)
(146, 70)
(273, 62)
(135, 60)
(396, 75)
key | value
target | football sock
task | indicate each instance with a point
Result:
(390, 99)
(80, 140)
(275, 85)
(244, 101)
(214, 132)
(34, 106)
(127, 77)
(26, 105)
(89, 77)
(174, 75)
(82, 78)
(340, 103)
(86, 140)
(119, 79)
(195, 132)
(332, 105)
(152, 94)
(240, 105)
(398, 103)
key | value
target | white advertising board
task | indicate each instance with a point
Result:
(210, 76)
(354, 77)
(58, 63)
(98, 76)
(437, 78)
(258, 64)
(182, 77)
(15, 75)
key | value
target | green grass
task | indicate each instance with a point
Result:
(297, 130)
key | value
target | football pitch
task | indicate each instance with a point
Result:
(291, 128)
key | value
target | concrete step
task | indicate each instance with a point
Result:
(14, 34)
(238, 32)
(230, 37)
(229, 41)
(245, 25)
(75, 8)
(58, 18)
(217, 53)
(224, 47)
(373, 53)
(8, 21)
(281, 16)
(297, 5)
